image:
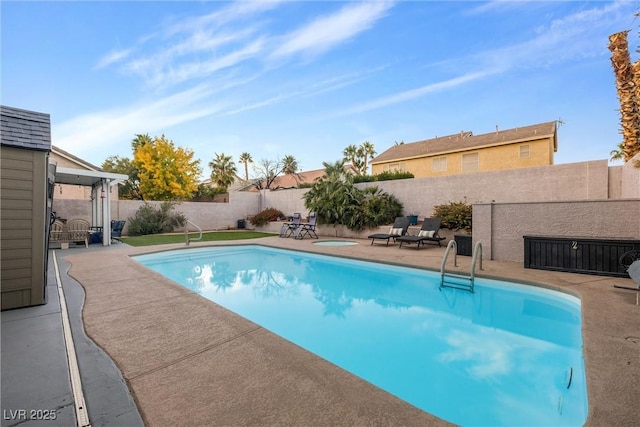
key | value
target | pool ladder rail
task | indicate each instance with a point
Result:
(459, 280)
(188, 239)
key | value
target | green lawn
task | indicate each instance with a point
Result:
(161, 239)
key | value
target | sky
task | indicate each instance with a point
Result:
(308, 78)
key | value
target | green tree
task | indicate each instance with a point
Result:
(140, 140)
(130, 190)
(290, 167)
(245, 159)
(366, 151)
(166, 172)
(359, 156)
(336, 200)
(618, 153)
(223, 170)
(350, 154)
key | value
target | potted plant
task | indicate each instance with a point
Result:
(457, 216)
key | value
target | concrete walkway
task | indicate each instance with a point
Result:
(36, 387)
(188, 361)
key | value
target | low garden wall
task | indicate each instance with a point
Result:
(501, 226)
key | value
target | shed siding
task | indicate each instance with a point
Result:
(22, 242)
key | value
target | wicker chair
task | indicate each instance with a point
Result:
(78, 231)
(58, 233)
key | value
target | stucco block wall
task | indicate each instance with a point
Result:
(630, 179)
(287, 201)
(586, 181)
(208, 216)
(574, 181)
(501, 226)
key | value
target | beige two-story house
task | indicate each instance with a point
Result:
(464, 152)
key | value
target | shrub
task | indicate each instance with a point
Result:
(388, 176)
(151, 220)
(455, 215)
(205, 193)
(266, 216)
(383, 176)
(337, 201)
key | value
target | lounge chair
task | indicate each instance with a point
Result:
(399, 228)
(307, 228)
(116, 229)
(78, 231)
(289, 227)
(428, 234)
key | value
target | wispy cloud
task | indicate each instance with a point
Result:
(193, 47)
(410, 94)
(562, 39)
(326, 32)
(111, 127)
(307, 90)
(570, 37)
(113, 57)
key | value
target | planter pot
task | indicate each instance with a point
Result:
(464, 243)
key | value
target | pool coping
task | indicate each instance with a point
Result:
(130, 324)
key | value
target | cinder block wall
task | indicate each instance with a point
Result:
(501, 226)
(208, 216)
(570, 199)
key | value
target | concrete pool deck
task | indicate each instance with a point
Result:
(188, 361)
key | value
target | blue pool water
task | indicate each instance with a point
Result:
(507, 354)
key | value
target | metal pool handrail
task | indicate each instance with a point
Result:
(477, 251)
(186, 233)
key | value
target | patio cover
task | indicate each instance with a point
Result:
(100, 183)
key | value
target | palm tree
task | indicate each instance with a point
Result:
(289, 165)
(618, 153)
(351, 154)
(627, 87)
(245, 158)
(367, 150)
(223, 170)
(140, 140)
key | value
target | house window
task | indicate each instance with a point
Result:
(524, 151)
(439, 164)
(470, 162)
(394, 167)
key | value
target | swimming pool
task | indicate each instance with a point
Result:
(507, 354)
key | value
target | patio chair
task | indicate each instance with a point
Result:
(78, 231)
(58, 232)
(307, 229)
(630, 263)
(399, 228)
(289, 227)
(116, 229)
(428, 234)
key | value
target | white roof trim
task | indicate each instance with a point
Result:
(86, 177)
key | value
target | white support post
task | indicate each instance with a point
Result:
(105, 200)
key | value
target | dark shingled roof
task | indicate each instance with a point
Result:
(465, 141)
(25, 129)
